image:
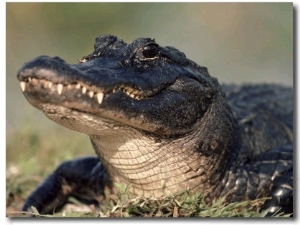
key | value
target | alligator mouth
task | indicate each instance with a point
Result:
(115, 105)
(94, 93)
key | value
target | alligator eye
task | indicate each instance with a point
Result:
(150, 51)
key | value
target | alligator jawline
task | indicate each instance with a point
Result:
(91, 91)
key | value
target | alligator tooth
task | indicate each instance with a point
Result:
(29, 79)
(69, 86)
(77, 86)
(91, 94)
(59, 88)
(45, 83)
(136, 92)
(50, 84)
(23, 85)
(82, 60)
(83, 90)
(100, 96)
(34, 80)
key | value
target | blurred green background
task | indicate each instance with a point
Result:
(238, 42)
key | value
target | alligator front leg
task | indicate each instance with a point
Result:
(83, 178)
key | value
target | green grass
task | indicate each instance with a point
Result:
(32, 155)
(183, 204)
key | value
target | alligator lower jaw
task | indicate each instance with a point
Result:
(80, 121)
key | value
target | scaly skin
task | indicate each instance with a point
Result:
(161, 123)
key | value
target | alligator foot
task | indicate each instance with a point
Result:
(83, 178)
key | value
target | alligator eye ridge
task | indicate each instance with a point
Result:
(150, 51)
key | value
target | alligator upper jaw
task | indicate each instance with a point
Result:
(54, 77)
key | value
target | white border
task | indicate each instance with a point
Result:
(96, 221)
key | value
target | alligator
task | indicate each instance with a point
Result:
(161, 124)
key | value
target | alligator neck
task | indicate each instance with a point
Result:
(155, 167)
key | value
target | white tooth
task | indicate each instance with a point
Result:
(69, 86)
(100, 97)
(45, 83)
(59, 88)
(50, 84)
(23, 85)
(128, 93)
(91, 94)
(34, 80)
(83, 90)
(29, 79)
(77, 86)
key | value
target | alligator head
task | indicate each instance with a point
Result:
(143, 106)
